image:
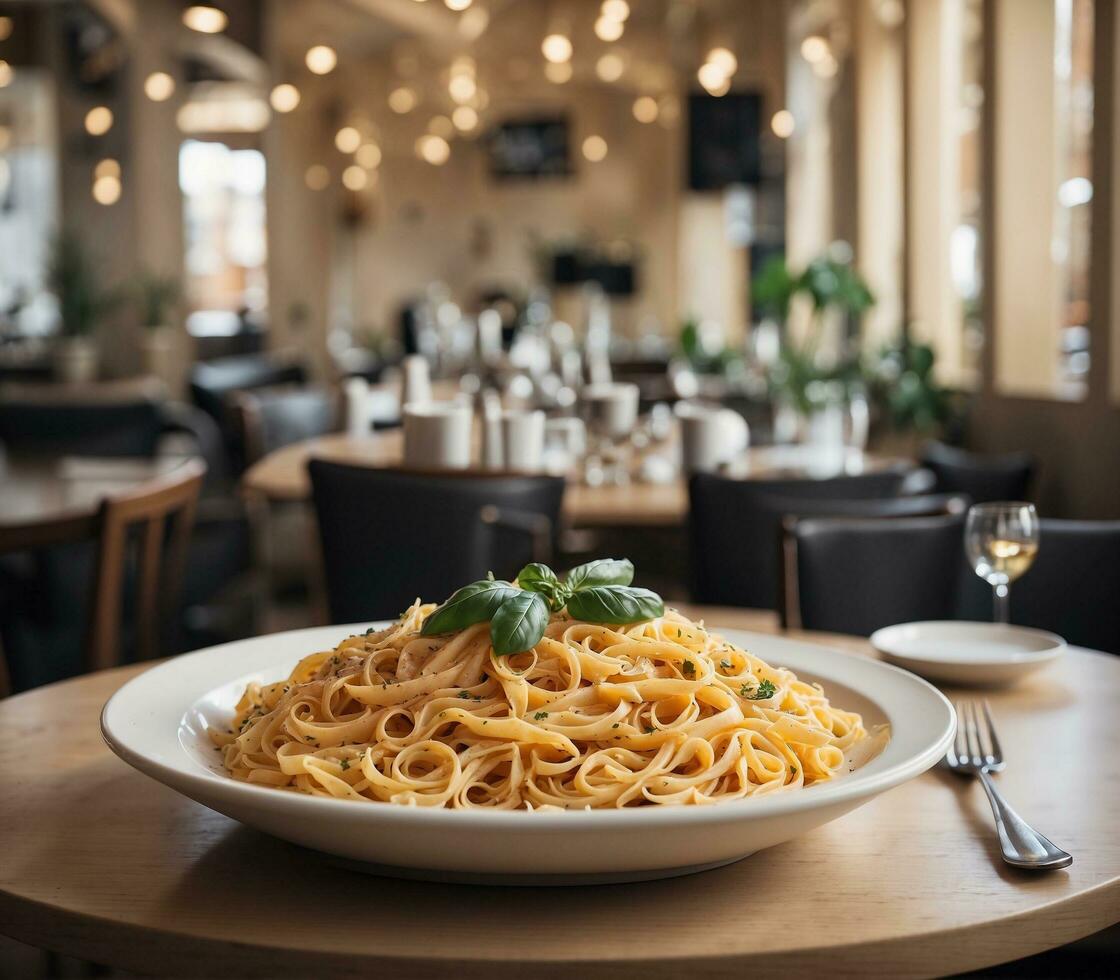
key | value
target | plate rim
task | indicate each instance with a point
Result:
(1058, 645)
(828, 794)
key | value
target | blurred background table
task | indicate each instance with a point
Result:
(47, 502)
(149, 881)
(282, 476)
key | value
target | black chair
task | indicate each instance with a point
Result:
(390, 536)
(1071, 589)
(271, 419)
(131, 428)
(855, 575)
(983, 477)
(214, 385)
(734, 529)
(929, 505)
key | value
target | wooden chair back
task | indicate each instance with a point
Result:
(163, 511)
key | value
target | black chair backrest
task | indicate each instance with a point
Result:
(855, 575)
(389, 536)
(93, 429)
(212, 382)
(983, 477)
(272, 419)
(1073, 587)
(734, 529)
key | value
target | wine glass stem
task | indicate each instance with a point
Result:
(1001, 595)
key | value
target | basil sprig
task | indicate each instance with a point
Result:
(597, 592)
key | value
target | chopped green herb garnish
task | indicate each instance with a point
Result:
(765, 690)
(689, 668)
(464, 695)
(345, 764)
(615, 725)
(650, 729)
(726, 664)
(540, 715)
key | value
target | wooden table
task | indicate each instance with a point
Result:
(282, 476)
(102, 863)
(46, 502)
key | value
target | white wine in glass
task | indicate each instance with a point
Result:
(1001, 540)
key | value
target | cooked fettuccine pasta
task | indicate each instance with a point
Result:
(592, 716)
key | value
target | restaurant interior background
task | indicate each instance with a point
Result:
(886, 223)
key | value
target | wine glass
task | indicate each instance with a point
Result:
(1001, 540)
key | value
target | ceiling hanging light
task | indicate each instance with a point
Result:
(615, 10)
(724, 60)
(465, 118)
(354, 178)
(368, 156)
(159, 86)
(815, 48)
(99, 120)
(284, 97)
(457, 4)
(595, 148)
(321, 59)
(434, 149)
(347, 139)
(557, 48)
(205, 18)
(6, 74)
(402, 100)
(609, 30)
(645, 109)
(7, 25)
(783, 124)
(106, 187)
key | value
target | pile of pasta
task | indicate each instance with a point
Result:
(593, 716)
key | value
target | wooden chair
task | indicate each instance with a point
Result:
(163, 512)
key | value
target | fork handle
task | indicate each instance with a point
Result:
(1022, 846)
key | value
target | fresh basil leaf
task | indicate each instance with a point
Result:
(519, 622)
(601, 571)
(538, 578)
(615, 604)
(472, 604)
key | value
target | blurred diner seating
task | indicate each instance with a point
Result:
(110, 601)
(734, 527)
(390, 536)
(983, 476)
(855, 574)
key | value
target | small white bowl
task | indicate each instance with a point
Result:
(955, 652)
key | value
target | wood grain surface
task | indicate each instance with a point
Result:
(102, 863)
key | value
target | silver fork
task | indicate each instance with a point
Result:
(977, 753)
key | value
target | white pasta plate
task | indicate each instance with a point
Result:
(158, 722)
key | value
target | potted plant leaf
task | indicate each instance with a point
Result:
(158, 296)
(805, 384)
(83, 302)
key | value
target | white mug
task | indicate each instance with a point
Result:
(437, 435)
(357, 407)
(612, 409)
(416, 389)
(710, 437)
(522, 441)
(491, 431)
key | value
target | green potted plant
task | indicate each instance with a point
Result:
(157, 297)
(804, 382)
(83, 302)
(910, 405)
